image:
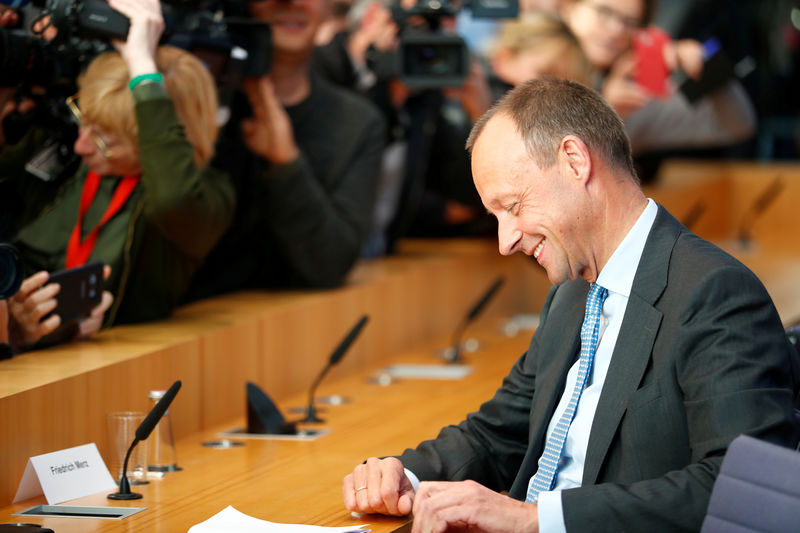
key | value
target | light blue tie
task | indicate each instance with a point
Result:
(545, 476)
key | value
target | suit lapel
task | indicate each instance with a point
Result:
(635, 341)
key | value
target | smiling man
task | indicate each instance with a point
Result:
(655, 348)
(305, 156)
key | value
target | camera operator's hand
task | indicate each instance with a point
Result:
(32, 302)
(147, 25)
(269, 133)
(686, 54)
(92, 324)
(474, 94)
(9, 18)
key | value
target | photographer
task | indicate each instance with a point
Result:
(305, 156)
(426, 186)
(148, 205)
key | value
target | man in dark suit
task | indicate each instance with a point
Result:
(618, 415)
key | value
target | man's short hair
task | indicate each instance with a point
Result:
(547, 109)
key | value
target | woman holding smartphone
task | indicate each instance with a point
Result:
(143, 202)
(637, 60)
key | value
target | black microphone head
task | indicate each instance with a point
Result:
(340, 350)
(155, 414)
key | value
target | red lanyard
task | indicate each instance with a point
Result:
(78, 252)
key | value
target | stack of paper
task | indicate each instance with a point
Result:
(229, 520)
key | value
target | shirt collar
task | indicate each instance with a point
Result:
(617, 274)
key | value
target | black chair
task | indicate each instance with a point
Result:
(757, 490)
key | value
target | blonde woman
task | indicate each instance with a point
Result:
(143, 202)
(538, 44)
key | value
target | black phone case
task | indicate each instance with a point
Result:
(81, 291)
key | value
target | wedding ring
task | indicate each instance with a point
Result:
(363, 487)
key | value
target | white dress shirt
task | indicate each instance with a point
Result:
(616, 276)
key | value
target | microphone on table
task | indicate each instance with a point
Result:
(336, 356)
(142, 432)
(761, 203)
(453, 355)
(695, 212)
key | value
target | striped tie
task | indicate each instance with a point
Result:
(545, 476)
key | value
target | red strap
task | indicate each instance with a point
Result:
(78, 252)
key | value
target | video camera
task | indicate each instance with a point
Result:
(428, 58)
(218, 32)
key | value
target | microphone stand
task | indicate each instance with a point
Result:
(142, 432)
(764, 200)
(453, 355)
(336, 356)
(124, 492)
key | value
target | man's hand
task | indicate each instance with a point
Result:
(33, 301)
(269, 133)
(469, 506)
(378, 486)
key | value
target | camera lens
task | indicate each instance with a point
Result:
(10, 271)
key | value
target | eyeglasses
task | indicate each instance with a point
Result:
(608, 14)
(102, 146)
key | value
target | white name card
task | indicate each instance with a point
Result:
(65, 475)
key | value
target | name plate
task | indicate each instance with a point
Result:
(65, 475)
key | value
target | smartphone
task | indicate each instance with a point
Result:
(651, 68)
(81, 291)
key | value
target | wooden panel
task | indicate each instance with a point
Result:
(57, 398)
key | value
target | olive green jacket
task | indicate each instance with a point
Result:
(157, 239)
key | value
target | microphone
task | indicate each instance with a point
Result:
(761, 203)
(142, 432)
(694, 213)
(453, 355)
(336, 356)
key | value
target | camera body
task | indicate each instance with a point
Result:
(427, 57)
(11, 271)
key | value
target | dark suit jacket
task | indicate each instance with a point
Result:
(701, 357)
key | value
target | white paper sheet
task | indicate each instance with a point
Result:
(229, 520)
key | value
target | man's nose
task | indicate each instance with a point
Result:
(508, 237)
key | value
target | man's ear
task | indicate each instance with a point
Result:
(574, 158)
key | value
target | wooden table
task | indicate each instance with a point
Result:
(300, 482)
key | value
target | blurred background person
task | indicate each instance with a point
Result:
(426, 185)
(335, 23)
(537, 44)
(305, 157)
(607, 30)
(144, 201)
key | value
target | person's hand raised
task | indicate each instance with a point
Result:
(269, 133)
(147, 25)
